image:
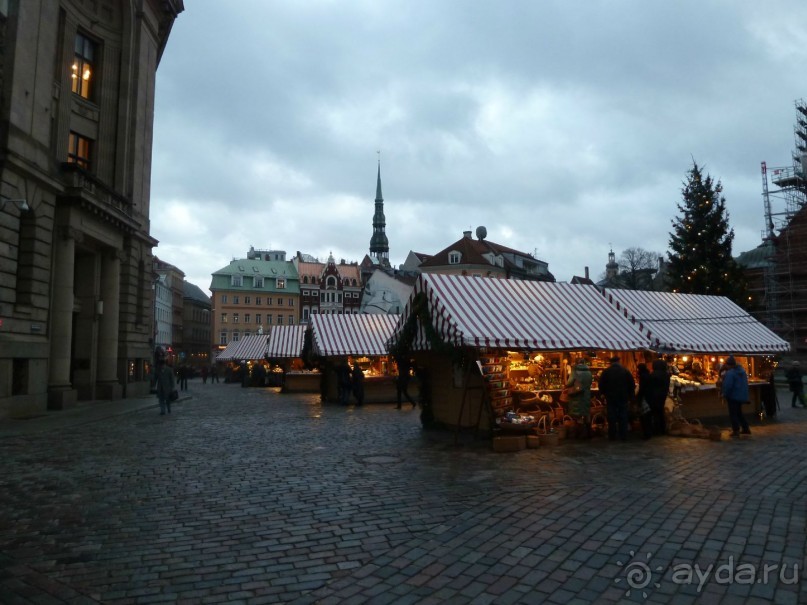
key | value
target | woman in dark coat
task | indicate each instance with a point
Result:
(660, 386)
(643, 395)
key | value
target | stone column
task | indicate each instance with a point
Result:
(60, 391)
(108, 386)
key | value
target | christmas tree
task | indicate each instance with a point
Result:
(700, 260)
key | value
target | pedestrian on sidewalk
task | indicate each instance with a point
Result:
(343, 382)
(735, 390)
(183, 377)
(795, 383)
(618, 386)
(164, 378)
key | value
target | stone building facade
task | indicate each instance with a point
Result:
(76, 119)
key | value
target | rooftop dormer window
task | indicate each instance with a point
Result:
(454, 258)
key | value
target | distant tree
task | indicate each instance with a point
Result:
(700, 260)
(636, 268)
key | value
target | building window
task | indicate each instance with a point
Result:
(280, 320)
(305, 292)
(82, 70)
(223, 338)
(269, 301)
(454, 258)
(235, 300)
(305, 313)
(279, 302)
(235, 318)
(246, 318)
(257, 300)
(235, 336)
(258, 282)
(280, 283)
(291, 302)
(78, 150)
(291, 320)
(258, 318)
(224, 299)
(247, 300)
(235, 280)
(268, 319)
(224, 318)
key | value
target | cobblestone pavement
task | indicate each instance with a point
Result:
(247, 495)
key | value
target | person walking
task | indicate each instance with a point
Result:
(183, 377)
(402, 383)
(214, 374)
(165, 386)
(617, 384)
(357, 378)
(579, 405)
(735, 390)
(205, 370)
(659, 389)
(795, 383)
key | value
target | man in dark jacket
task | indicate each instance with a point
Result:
(795, 383)
(617, 384)
(735, 390)
(659, 389)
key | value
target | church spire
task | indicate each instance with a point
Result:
(379, 245)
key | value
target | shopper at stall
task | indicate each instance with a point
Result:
(659, 389)
(643, 396)
(795, 383)
(579, 385)
(343, 382)
(617, 385)
(735, 390)
(402, 384)
(358, 384)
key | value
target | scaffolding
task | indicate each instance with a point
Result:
(785, 239)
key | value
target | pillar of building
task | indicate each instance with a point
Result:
(60, 390)
(108, 386)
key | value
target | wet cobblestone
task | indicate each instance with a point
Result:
(246, 495)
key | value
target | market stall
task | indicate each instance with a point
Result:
(283, 350)
(695, 333)
(493, 346)
(244, 360)
(356, 339)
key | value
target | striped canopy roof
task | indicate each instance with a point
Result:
(334, 335)
(692, 323)
(517, 314)
(249, 347)
(285, 341)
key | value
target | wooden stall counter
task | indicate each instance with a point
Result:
(301, 382)
(705, 402)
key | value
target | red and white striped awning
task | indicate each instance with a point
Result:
(334, 335)
(285, 341)
(248, 348)
(692, 323)
(517, 314)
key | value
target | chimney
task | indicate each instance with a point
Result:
(466, 234)
(586, 272)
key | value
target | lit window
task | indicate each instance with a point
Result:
(83, 66)
(78, 150)
(235, 318)
(280, 283)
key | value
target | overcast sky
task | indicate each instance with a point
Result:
(565, 128)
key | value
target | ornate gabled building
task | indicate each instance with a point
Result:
(76, 120)
(482, 258)
(330, 287)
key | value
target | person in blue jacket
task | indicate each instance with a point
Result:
(735, 390)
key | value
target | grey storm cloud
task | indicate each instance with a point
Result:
(564, 128)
